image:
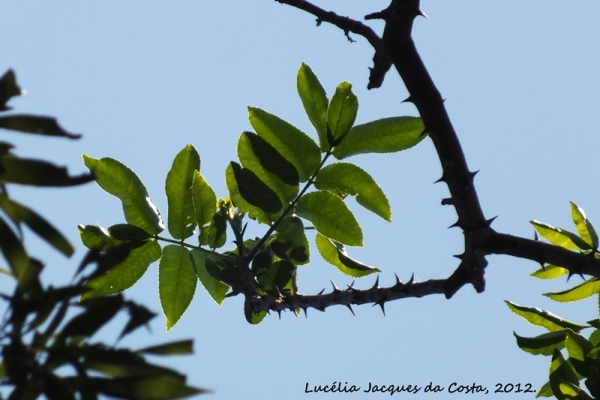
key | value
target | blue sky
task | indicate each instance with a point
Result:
(141, 79)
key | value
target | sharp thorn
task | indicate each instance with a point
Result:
(305, 312)
(442, 179)
(350, 308)
(422, 14)
(376, 285)
(409, 99)
(455, 225)
(382, 305)
(398, 281)
(459, 256)
(411, 280)
(335, 288)
(448, 201)
(321, 292)
(535, 236)
(489, 221)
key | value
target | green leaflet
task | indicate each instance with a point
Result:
(96, 237)
(181, 219)
(251, 195)
(128, 272)
(20, 213)
(35, 124)
(579, 292)
(8, 88)
(578, 347)
(341, 113)
(215, 288)
(335, 254)
(543, 318)
(560, 237)
(257, 155)
(348, 179)
(118, 180)
(315, 102)
(381, 136)
(550, 272)
(330, 217)
(276, 277)
(561, 375)
(176, 282)
(585, 228)
(544, 344)
(128, 232)
(205, 205)
(293, 144)
(290, 242)
(253, 318)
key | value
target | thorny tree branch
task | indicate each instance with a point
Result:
(396, 47)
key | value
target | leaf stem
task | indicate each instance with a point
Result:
(191, 246)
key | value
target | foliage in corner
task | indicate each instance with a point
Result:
(575, 357)
(282, 179)
(46, 336)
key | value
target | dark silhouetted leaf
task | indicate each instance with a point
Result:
(97, 312)
(290, 242)
(35, 124)
(37, 173)
(128, 232)
(8, 88)
(544, 344)
(215, 288)
(13, 249)
(179, 347)
(138, 316)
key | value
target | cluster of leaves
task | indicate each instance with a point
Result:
(582, 360)
(278, 164)
(45, 334)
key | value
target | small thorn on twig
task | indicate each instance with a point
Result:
(321, 292)
(335, 288)
(455, 225)
(422, 14)
(442, 179)
(381, 304)
(489, 221)
(447, 201)
(409, 99)
(412, 279)
(376, 285)
(459, 256)
(350, 308)
(305, 312)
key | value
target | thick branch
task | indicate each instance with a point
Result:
(348, 297)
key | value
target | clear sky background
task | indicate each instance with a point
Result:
(141, 79)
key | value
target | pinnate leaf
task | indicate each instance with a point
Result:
(348, 179)
(176, 282)
(178, 187)
(120, 181)
(385, 135)
(335, 254)
(315, 102)
(293, 144)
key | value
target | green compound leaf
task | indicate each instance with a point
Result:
(560, 237)
(585, 228)
(550, 272)
(543, 318)
(385, 135)
(118, 180)
(290, 242)
(257, 155)
(293, 144)
(335, 254)
(315, 102)
(181, 219)
(126, 274)
(176, 282)
(215, 288)
(35, 124)
(543, 344)
(341, 113)
(579, 292)
(20, 213)
(251, 195)
(330, 217)
(347, 179)
(205, 204)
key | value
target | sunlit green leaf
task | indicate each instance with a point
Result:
(38, 224)
(544, 344)
(25, 171)
(294, 145)
(126, 273)
(330, 217)
(251, 195)
(584, 227)
(118, 180)
(8, 88)
(341, 113)
(181, 219)
(560, 237)
(215, 288)
(35, 124)
(178, 347)
(578, 347)
(543, 318)
(381, 136)
(579, 292)
(335, 254)
(550, 272)
(290, 242)
(176, 282)
(347, 179)
(96, 237)
(315, 102)
(205, 205)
